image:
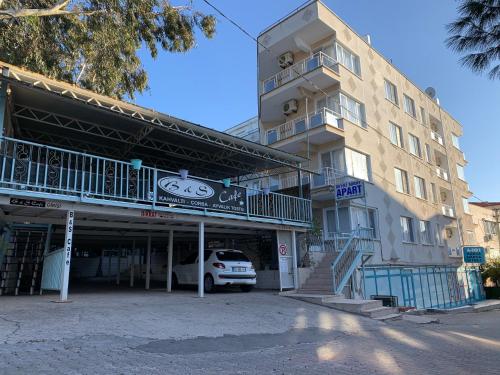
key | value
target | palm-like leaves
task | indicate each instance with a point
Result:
(477, 31)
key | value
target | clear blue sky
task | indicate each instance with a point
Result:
(215, 84)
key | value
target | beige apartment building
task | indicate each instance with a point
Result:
(325, 93)
(486, 228)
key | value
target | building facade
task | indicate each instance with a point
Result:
(327, 95)
(486, 233)
(248, 130)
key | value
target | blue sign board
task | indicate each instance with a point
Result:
(474, 254)
(350, 190)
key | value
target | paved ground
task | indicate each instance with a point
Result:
(227, 333)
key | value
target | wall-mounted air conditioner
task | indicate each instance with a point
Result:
(290, 107)
(285, 59)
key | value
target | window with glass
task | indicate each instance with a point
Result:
(428, 154)
(364, 218)
(357, 164)
(329, 102)
(425, 232)
(347, 59)
(433, 192)
(409, 106)
(401, 178)
(407, 229)
(423, 116)
(420, 191)
(470, 237)
(396, 134)
(439, 234)
(352, 110)
(331, 221)
(465, 203)
(391, 92)
(461, 172)
(455, 140)
(490, 227)
(414, 143)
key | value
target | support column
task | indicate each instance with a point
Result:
(46, 248)
(170, 253)
(148, 263)
(68, 241)
(201, 258)
(132, 266)
(294, 261)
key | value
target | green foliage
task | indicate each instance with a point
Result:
(477, 31)
(491, 271)
(97, 45)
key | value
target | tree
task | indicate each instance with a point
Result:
(95, 43)
(491, 272)
(477, 31)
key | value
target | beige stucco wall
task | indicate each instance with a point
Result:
(490, 243)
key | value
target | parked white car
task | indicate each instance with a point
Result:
(222, 267)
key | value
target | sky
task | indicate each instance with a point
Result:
(215, 84)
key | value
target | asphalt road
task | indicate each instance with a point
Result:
(131, 332)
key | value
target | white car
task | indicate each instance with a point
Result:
(222, 267)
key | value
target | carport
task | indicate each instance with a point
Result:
(86, 165)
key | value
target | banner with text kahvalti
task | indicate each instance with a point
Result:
(191, 192)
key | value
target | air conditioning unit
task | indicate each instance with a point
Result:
(290, 107)
(285, 60)
(487, 238)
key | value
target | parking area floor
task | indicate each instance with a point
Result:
(131, 332)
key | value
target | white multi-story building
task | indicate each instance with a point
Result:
(248, 130)
(325, 93)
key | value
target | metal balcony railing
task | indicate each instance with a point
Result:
(32, 167)
(325, 177)
(301, 124)
(442, 173)
(448, 210)
(437, 137)
(300, 68)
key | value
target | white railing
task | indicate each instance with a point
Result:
(299, 125)
(442, 173)
(437, 137)
(324, 177)
(310, 63)
(448, 210)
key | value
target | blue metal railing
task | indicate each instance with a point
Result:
(33, 167)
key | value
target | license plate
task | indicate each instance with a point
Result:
(239, 269)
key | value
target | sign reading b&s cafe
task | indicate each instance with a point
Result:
(191, 192)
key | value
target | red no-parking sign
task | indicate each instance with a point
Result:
(283, 249)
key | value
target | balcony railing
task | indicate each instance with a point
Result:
(437, 137)
(304, 123)
(325, 177)
(442, 173)
(317, 60)
(31, 167)
(448, 210)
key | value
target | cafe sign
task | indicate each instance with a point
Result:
(204, 194)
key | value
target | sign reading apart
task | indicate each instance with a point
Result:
(350, 190)
(474, 254)
(195, 193)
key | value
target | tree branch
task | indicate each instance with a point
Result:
(58, 9)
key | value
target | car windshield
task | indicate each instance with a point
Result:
(235, 256)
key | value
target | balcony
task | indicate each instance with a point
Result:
(442, 173)
(316, 71)
(437, 137)
(447, 210)
(33, 170)
(323, 125)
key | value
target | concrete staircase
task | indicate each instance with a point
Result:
(320, 281)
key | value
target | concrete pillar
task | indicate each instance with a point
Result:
(68, 241)
(294, 261)
(148, 263)
(201, 258)
(132, 266)
(170, 254)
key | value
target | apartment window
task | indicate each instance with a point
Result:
(414, 145)
(331, 221)
(407, 229)
(272, 136)
(348, 59)
(428, 154)
(409, 106)
(470, 237)
(455, 141)
(328, 102)
(401, 177)
(439, 234)
(396, 133)
(333, 159)
(425, 232)
(358, 164)
(391, 92)
(420, 191)
(364, 218)
(433, 192)
(352, 110)
(490, 228)
(465, 203)
(461, 172)
(423, 116)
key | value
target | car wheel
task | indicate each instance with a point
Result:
(246, 288)
(175, 282)
(208, 284)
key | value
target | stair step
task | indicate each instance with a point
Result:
(379, 312)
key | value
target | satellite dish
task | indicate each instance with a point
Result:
(431, 91)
